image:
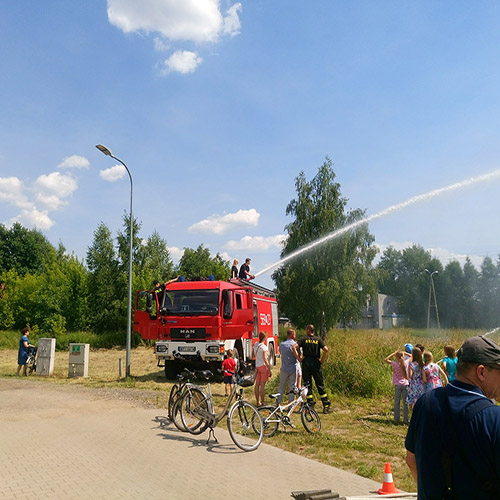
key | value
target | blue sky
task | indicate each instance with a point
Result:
(216, 106)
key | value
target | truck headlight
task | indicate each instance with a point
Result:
(213, 349)
(162, 348)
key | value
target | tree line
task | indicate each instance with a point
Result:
(44, 287)
(47, 289)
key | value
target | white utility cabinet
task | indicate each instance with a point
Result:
(78, 360)
(45, 357)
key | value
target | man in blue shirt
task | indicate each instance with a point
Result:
(289, 362)
(453, 441)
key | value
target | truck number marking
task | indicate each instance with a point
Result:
(265, 319)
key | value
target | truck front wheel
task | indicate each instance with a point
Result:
(272, 355)
(170, 370)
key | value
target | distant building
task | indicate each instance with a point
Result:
(381, 313)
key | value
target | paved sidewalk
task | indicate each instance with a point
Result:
(60, 442)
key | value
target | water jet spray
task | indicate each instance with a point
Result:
(386, 211)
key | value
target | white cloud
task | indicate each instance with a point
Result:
(74, 161)
(182, 61)
(56, 183)
(256, 243)
(186, 20)
(219, 224)
(12, 192)
(47, 193)
(232, 23)
(175, 253)
(160, 45)
(49, 190)
(113, 174)
(33, 218)
(198, 21)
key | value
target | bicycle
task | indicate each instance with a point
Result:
(244, 422)
(31, 362)
(178, 391)
(272, 416)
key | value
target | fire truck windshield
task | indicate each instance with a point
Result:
(191, 302)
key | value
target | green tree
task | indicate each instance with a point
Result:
(23, 250)
(403, 275)
(329, 282)
(123, 239)
(106, 284)
(198, 263)
(452, 296)
(153, 261)
(470, 305)
(488, 285)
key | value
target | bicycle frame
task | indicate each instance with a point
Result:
(214, 418)
(284, 411)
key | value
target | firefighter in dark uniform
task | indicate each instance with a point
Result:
(312, 348)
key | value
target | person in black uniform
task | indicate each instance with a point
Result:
(159, 290)
(312, 348)
(245, 271)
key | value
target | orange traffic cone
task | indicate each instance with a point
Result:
(388, 484)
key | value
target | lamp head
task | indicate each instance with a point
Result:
(104, 149)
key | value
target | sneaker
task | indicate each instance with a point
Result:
(327, 407)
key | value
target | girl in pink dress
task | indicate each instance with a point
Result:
(416, 376)
(433, 372)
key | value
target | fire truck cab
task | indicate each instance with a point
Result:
(194, 323)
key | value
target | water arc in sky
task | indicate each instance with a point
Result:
(386, 211)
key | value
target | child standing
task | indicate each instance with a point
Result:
(400, 381)
(433, 372)
(450, 362)
(417, 377)
(229, 367)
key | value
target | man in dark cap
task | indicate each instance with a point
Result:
(453, 441)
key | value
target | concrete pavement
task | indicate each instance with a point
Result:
(62, 441)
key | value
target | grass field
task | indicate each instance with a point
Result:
(358, 436)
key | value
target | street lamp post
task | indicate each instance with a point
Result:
(433, 291)
(107, 152)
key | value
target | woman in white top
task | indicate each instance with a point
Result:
(263, 368)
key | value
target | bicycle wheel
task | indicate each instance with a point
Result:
(310, 419)
(270, 421)
(30, 365)
(195, 408)
(245, 426)
(176, 415)
(174, 396)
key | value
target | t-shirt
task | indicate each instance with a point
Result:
(451, 367)
(311, 346)
(229, 366)
(397, 374)
(259, 349)
(288, 360)
(429, 433)
(243, 268)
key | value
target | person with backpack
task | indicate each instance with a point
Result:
(453, 440)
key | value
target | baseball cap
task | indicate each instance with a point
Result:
(408, 348)
(479, 350)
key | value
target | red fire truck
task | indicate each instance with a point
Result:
(195, 322)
